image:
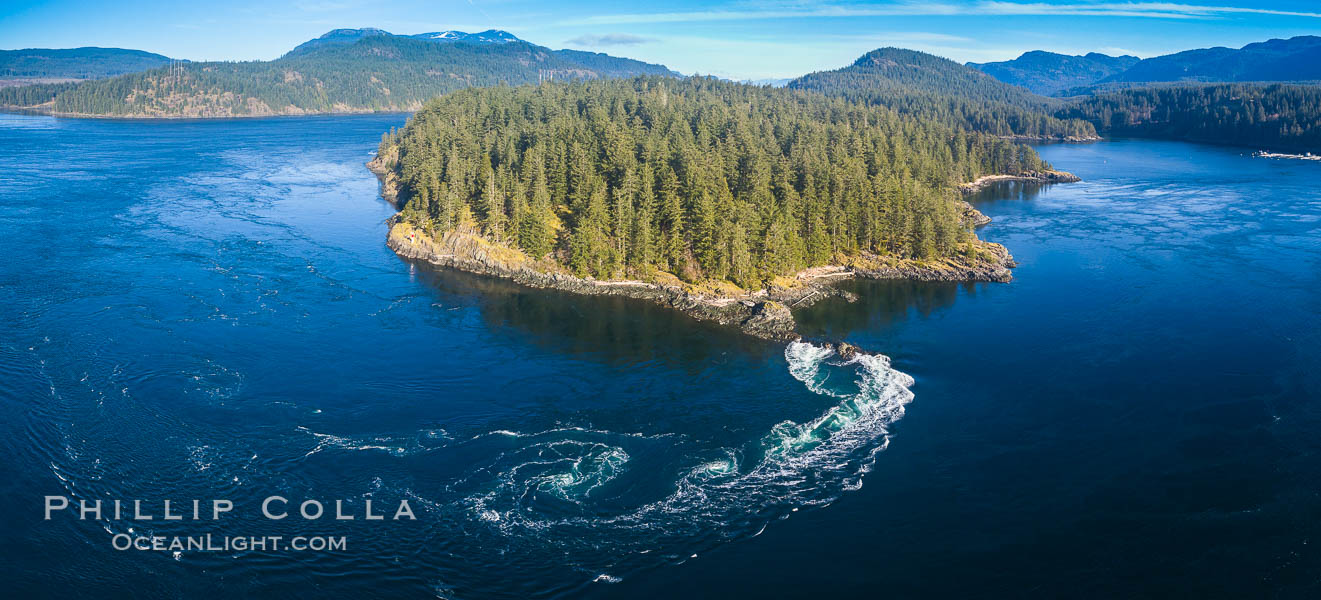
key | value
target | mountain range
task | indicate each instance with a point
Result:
(372, 70)
(1296, 59)
(1048, 73)
(345, 70)
(344, 37)
(932, 88)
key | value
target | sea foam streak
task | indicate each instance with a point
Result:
(727, 496)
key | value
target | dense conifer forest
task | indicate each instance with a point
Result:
(32, 95)
(1285, 117)
(704, 179)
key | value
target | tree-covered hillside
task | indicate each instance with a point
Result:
(934, 88)
(32, 95)
(374, 73)
(1285, 117)
(76, 63)
(704, 179)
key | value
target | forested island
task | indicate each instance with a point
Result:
(726, 200)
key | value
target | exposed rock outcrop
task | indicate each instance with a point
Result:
(846, 350)
(379, 165)
(1036, 176)
(973, 216)
(758, 313)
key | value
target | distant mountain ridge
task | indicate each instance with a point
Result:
(934, 88)
(1048, 73)
(342, 71)
(344, 37)
(76, 63)
(491, 36)
(910, 69)
(1295, 59)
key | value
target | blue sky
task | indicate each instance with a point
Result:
(738, 38)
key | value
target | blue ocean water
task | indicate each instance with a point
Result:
(201, 310)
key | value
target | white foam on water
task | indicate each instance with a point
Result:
(560, 430)
(585, 473)
(569, 470)
(392, 445)
(793, 465)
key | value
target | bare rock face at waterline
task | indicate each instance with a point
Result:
(974, 216)
(1047, 176)
(765, 313)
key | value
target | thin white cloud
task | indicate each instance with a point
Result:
(789, 12)
(608, 39)
(1117, 51)
(321, 6)
(1155, 10)
(1162, 10)
(905, 37)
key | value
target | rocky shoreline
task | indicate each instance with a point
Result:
(973, 215)
(1031, 176)
(1066, 139)
(762, 313)
(765, 313)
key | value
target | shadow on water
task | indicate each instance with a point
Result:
(608, 328)
(880, 304)
(627, 330)
(1005, 191)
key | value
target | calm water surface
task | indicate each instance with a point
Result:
(208, 310)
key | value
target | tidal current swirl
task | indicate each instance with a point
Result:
(565, 487)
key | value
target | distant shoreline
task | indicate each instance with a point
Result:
(39, 110)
